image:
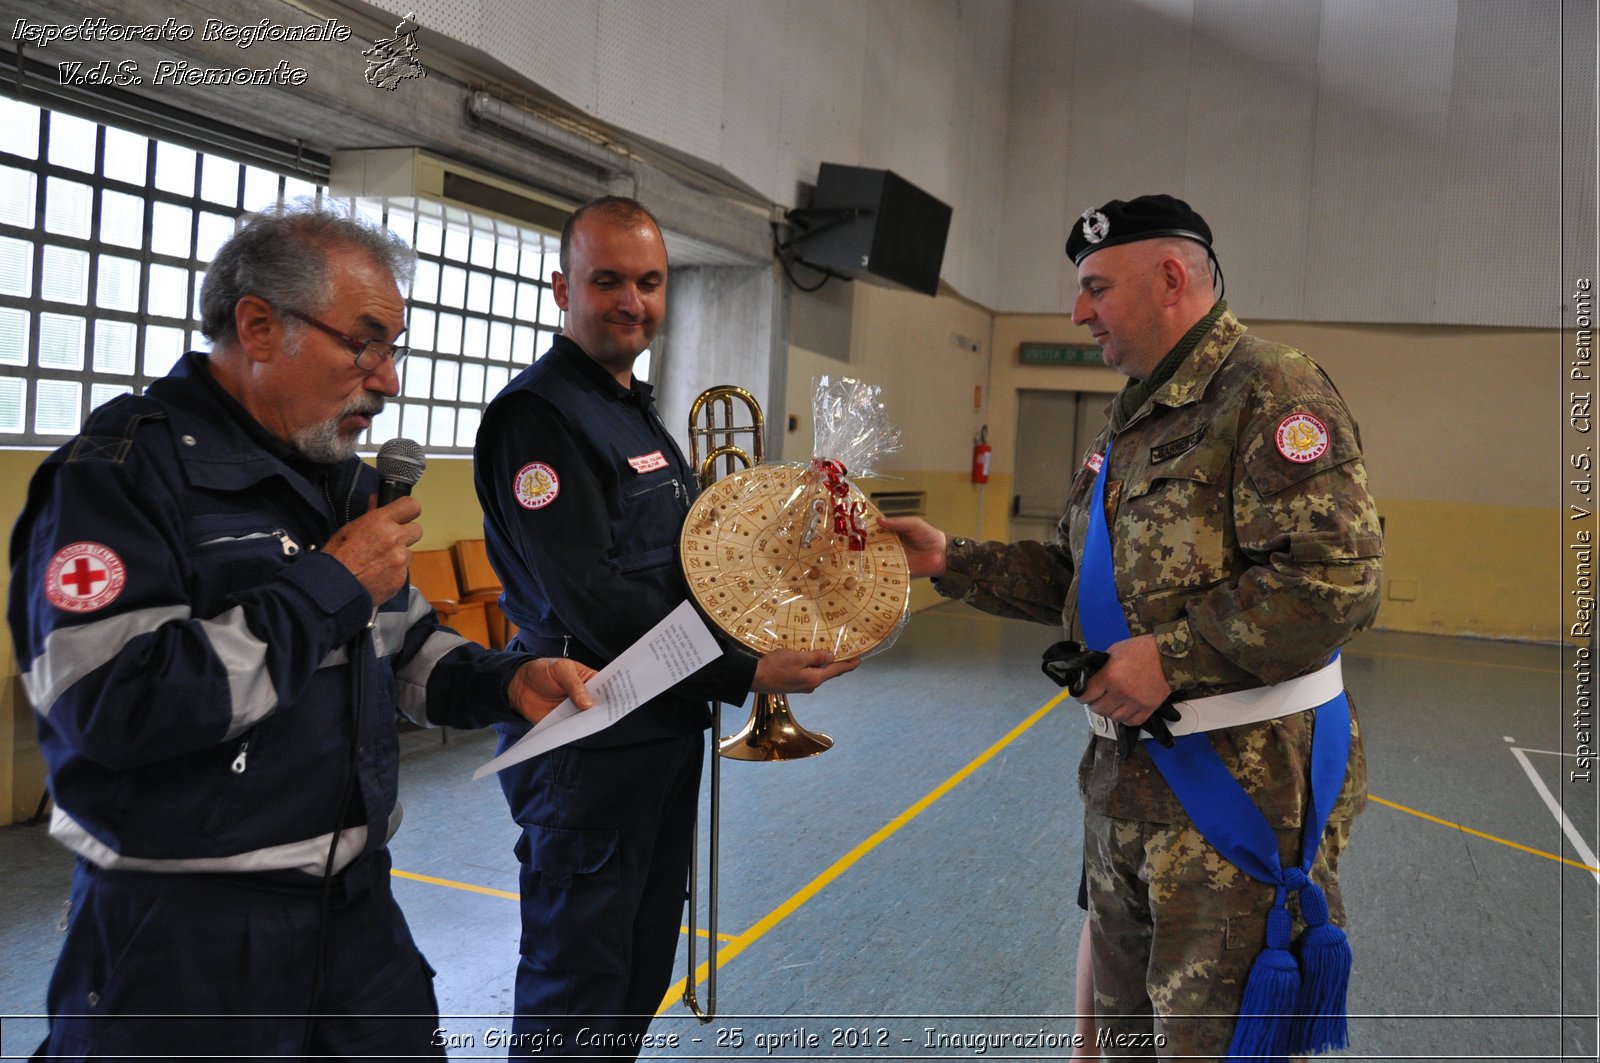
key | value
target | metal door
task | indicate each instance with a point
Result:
(1053, 429)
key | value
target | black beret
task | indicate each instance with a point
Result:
(1144, 218)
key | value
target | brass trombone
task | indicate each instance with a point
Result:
(771, 733)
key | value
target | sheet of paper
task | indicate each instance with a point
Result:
(669, 652)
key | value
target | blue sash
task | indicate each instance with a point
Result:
(1289, 1007)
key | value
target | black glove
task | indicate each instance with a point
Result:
(1070, 665)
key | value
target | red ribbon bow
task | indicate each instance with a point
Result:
(847, 515)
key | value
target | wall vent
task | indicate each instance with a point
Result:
(415, 174)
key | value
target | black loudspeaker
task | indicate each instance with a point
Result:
(875, 225)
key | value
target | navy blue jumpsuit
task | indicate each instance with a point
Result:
(584, 494)
(211, 691)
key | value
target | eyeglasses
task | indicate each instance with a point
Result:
(369, 353)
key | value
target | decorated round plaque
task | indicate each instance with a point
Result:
(764, 562)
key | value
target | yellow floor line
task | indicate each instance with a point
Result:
(470, 888)
(1480, 834)
(452, 884)
(845, 862)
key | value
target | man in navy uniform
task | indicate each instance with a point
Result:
(584, 493)
(215, 627)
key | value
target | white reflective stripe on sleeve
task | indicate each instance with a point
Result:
(70, 653)
(244, 655)
(309, 856)
(411, 682)
(417, 607)
(388, 632)
(391, 627)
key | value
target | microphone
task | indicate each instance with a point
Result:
(400, 465)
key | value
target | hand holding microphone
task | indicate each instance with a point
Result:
(376, 547)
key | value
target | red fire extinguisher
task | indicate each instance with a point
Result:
(980, 457)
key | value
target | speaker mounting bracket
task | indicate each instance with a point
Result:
(831, 217)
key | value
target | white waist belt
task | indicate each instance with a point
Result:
(1243, 706)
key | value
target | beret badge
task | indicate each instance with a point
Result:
(1096, 226)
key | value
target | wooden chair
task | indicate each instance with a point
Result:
(434, 574)
(479, 583)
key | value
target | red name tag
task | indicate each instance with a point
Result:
(648, 462)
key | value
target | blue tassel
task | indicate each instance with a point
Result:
(1270, 996)
(1325, 959)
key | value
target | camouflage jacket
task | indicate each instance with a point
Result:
(1250, 567)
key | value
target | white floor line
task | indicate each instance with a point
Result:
(1578, 843)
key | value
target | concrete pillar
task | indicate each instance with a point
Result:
(724, 325)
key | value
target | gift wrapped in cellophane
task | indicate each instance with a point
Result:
(791, 555)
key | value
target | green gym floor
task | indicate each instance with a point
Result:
(911, 893)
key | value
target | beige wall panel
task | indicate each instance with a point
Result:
(905, 343)
(1358, 160)
(1249, 152)
(450, 509)
(21, 767)
(19, 757)
(1461, 429)
(1381, 123)
(804, 368)
(552, 43)
(1130, 121)
(1493, 571)
(752, 101)
(660, 70)
(1505, 130)
(1033, 268)
(1447, 414)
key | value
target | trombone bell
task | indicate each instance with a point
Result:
(772, 733)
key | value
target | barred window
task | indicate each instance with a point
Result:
(105, 236)
(481, 308)
(104, 239)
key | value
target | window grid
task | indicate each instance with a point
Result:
(481, 308)
(82, 321)
(104, 240)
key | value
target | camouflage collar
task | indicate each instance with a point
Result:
(1189, 383)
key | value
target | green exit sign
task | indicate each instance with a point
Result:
(1061, 354)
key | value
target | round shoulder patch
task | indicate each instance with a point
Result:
(84, 577)
(1302, 438)
(536, 485)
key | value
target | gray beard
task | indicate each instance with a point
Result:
(322, 443)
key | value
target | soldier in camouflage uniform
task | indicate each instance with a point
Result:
(1245, 547)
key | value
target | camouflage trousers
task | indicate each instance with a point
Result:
(1174, 930)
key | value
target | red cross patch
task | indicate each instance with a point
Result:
(84, 577)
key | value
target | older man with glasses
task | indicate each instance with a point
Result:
(213, 621)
